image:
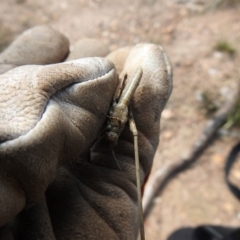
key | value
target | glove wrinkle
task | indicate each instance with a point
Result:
(25, 98)
(66, 190)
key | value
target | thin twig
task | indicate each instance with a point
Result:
(167, 172)
(134, 131)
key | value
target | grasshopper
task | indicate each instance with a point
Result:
(119, 114)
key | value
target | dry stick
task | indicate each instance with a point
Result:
(134, 131)
(167, 172)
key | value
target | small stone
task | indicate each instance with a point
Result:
(236, 174)
(228, 207)
(212, 71)
(226, 92)
(167, 135)
(199, 96)
(167, 114)
(63, 5)
(217, 55)
(218, 158)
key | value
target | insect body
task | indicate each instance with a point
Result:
(119, 113)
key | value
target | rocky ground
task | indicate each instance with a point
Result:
(189, 31)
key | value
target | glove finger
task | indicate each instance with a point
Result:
(149, 98)
(87, 47)
(50, 114)
(146, 105)
(119, 56)
(38, 45)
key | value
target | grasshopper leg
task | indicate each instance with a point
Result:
(115, 158)
(134, 131)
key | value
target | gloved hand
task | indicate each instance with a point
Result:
(52, 184)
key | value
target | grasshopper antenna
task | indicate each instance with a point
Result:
(134, 131)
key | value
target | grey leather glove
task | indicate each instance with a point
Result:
(52, 185)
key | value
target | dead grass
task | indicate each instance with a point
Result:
(225, 46)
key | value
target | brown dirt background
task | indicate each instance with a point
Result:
(188, 31)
